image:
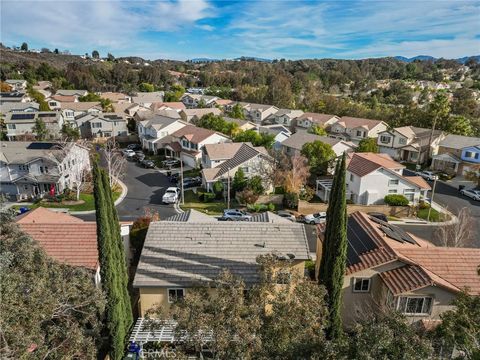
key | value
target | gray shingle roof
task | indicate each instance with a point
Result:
(269, 217)
(185, 253)
(192, 216)
(300, 138)
(459, 142)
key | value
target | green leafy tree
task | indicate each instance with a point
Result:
(56, 51)
(107, 105)
(367, 145)
(95, 54)
(317, 130)
(255, 183)
(237, 112)
(319, 156)
(387, 336)
(175, 93)
(113, 267)
(69, 132)
(40, 129)
(146, 87)
(48, 306)
(263, 139)
(110, 57)
(334, 250)
(218, 189)
(90, 97)
(217, 123)
(39, 98)
(460, 328)
(24, 46)
(239, 182)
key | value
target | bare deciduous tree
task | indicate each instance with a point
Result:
(115, 162)
(458, 234)
(297, 174)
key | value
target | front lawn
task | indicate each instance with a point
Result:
(87, 205)
(192, 201)
(435, 216)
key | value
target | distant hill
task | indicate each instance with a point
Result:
(428, 58)
(203, 60)
(252, 58)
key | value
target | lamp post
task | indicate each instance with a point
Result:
(228, 189)
(431, 198)
(181, 180)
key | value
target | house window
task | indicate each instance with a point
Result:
(175, 295)
(12, 126)
(468, 154)
(359, 133)
(409, 194)
(394, 191)
(69, 113)
(361, 284)
(414, 305)
(352, 177)
(402, 141)
(41, 169)
(246, 169)
(23, 167)
(96, 125)
(385, 139)
(392, 182)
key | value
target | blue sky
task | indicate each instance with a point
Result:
(185, 29)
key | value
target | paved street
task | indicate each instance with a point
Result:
(145, 190)
(449, 197)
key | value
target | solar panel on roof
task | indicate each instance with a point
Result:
(47, 115)
(40, 146)
(359, 241)
(22, 116)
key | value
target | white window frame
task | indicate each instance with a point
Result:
(402, 141)
(423, 313)
(392, 191)
(361, 280)
(385, 139)
(393, 182)
(176, 295)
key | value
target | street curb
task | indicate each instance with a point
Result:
(453, 218)
(177, 208)
(122, 196)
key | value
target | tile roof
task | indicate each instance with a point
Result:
(319, 119)
(173, 105)
(193, 133)
(191, 215)
(46, 216)
(72, 243)
(21, 152)
(81, 106)
(353, 122)
(459, 142)
(362, 164)
(223, 150)
(200, 112)
(63, 92)
(114, 96)
(268, 217)
(64, 98)
(184, 253)
(405, 278)
(418, 180)
(302, 137)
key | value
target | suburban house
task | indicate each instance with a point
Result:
(176, 106)
(101, 125)
(192, 101)
(192, 248)
(457, 154)
(284, 117)
(258, 113)
(370, 177)
(18, 107)
(308, 119)
(75, 93)
(146, 99)
(388, 268)
(410, 144)
(294, 144)
(187, 143)
(30, 170)
(55, 101)
(70, 110)
(147, 114)
(44, 88)
(280, 132)
(20, 124)
(191, 115)
(116, 97)
(221, 161)
(156, 128)
(17, 96)
(67, 238)
(356, 129)
(243, 125)
(16, 85)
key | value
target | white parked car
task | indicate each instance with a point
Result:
(128, 153)
(428, 175)
(471, 193)
(316, 218)
(171, 195)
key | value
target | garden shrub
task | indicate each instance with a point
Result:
(396, 200)
(291, 200)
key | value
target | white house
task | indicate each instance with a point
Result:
(151, 131)
(370, 177)
(356, 129)
(17, 85)
(30, 170)
(284, 117)
(410, 144)
(70, 110)
(192, 101)
(308, 119)
(146, 99)
(101, 125)
(221, 161)
(20, 124)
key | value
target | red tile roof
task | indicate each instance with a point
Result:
(194, 134)
(362, 164)
(71, 243)
(64, 98)
(405, 278)
(418, 180)
(45, 216)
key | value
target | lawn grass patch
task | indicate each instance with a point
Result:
(192, 201)
(435, 216)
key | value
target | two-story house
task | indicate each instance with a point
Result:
(294, 144)
(284, 117)
(457, 154)
(20, 124)
(18, 107)
(152, 131)
(29, 170)
(101, 125)
(390, 269)
(221, 161)
(70, 110)
(146, 99)
(192, 115)
(187, 143)
(192, 249)
(280, 133)
(17, 85)
(370, 177)
(17, 96)
(356, 129)
(410, 144)
(75, 93)
(192, 101)
(308, 119)
(258, 113)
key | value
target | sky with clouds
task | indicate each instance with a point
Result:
(185, 29)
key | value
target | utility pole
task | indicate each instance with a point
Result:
(431, 197)
(228, 189)
(181, 180)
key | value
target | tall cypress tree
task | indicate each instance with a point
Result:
(334, 254)
(113, 267)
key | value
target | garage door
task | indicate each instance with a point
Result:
(189, 161)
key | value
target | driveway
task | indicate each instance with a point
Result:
(145, 190)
